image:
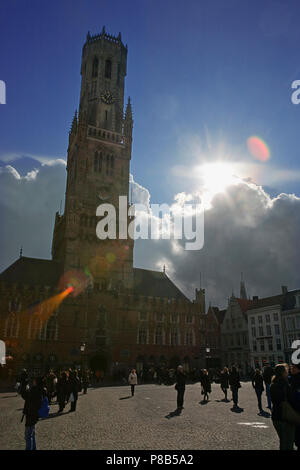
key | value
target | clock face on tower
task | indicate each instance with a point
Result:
(107, 97)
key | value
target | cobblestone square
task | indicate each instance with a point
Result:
(108, 418)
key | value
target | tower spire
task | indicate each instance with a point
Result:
(243, 292)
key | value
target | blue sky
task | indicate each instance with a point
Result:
(203, 76)
(195, 68)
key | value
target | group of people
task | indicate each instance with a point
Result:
(39, 392)
(282, 386)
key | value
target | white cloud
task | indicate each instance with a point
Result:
(246, 230)
(28, 205)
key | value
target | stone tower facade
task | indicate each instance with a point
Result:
(99, 154)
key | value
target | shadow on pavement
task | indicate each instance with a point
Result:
(223, 400)
(55, 415)
(172, 414)
(203, 402)
(125, 398)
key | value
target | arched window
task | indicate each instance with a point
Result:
(142, 335)
(108, 68)
(49, 331)
(12, 326)
(159, 335)
(174, 337)
(95, 67)
(189, 338)
(35, 327)
(98, 162)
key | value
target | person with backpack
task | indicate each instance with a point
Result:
(224, 381)
(33, 401)
(258, 385)
(206, 385)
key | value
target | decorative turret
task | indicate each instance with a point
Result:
(128, 121)
(200, 299)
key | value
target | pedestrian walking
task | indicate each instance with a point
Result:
(234, 382)
(206, 385)
(73, 388)
(180, 386)
(267, 376)
(33, 402)
(295, 397)
(50, 385)
(224, 381)
(62, 390)
(132, 380)
(280, 392)
(85, 381)
(258, 385)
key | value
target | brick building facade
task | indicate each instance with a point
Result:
(117, 316)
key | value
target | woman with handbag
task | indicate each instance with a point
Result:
(283, 413)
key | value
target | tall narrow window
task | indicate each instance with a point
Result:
(118, 74)
(95, 67)
(108, 68)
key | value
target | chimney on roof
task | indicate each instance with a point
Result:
(255, 297)
(284, 289)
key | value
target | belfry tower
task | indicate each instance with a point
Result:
(99, 154)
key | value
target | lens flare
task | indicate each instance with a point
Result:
(258, 148)
(75, 280)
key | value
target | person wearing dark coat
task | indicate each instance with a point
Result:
(24, 381)
(180, 386)
(73, 387)
(295, 396)
(280, 391)
(234, 382)
(224, 381)
(85, 381)
(267, 376)
(206, 385)
(258, 385)
(33, 401)
(62, 391)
